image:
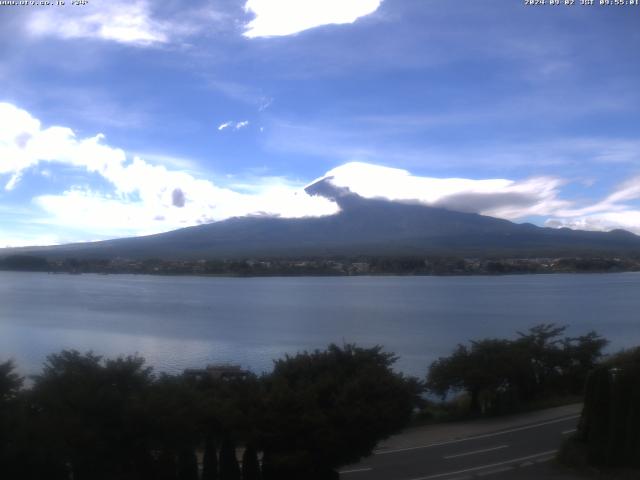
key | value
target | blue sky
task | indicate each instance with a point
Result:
(123, 118)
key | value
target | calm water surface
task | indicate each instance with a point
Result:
(180, 322)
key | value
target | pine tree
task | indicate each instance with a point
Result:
(250, 465)
(166, 467)
(268, 471)
(598, 423)
(210, 460)
(187, 465)
(229, 468)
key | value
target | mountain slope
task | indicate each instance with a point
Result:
(363, 227)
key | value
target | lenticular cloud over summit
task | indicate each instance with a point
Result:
(495, 197)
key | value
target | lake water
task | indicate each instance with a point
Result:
(180, 322)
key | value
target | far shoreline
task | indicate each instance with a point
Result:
(356, 265)
(302, 275)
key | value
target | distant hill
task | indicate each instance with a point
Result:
(362, 227)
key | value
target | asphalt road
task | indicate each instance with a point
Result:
(519, 452)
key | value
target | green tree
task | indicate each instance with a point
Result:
(90, 415)
(582, 355)
(329, 408)
(487, 371)
(174, 409)
(542, 345)
(500, 374)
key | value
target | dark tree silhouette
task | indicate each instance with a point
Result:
(610, 423)
(250, 465)
(229, 468)
(187, 465)
(89, 412)
(167, 466)
(329, 408)
(490, 371)
(499, 375)
(210, 460)
(10, 382)
(24, 263)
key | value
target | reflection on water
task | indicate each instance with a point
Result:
(179, 322)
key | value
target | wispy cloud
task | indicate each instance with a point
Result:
(13, 181)
(128, 22)
(170, 161)
(233, 125)
(392, 139)
(241, 92)
(605, 221)
(616, 210)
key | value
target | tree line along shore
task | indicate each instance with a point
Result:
(338, 266)
(84, 416)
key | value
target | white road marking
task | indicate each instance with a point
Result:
(475, 451)
(567, 432)
(356, 470)
(542, 460)
(484, 467)
(476, 437)
(494, 471)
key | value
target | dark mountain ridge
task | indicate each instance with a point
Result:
(372, 227)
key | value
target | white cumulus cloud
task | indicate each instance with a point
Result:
(144, 198)
(286, 17)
